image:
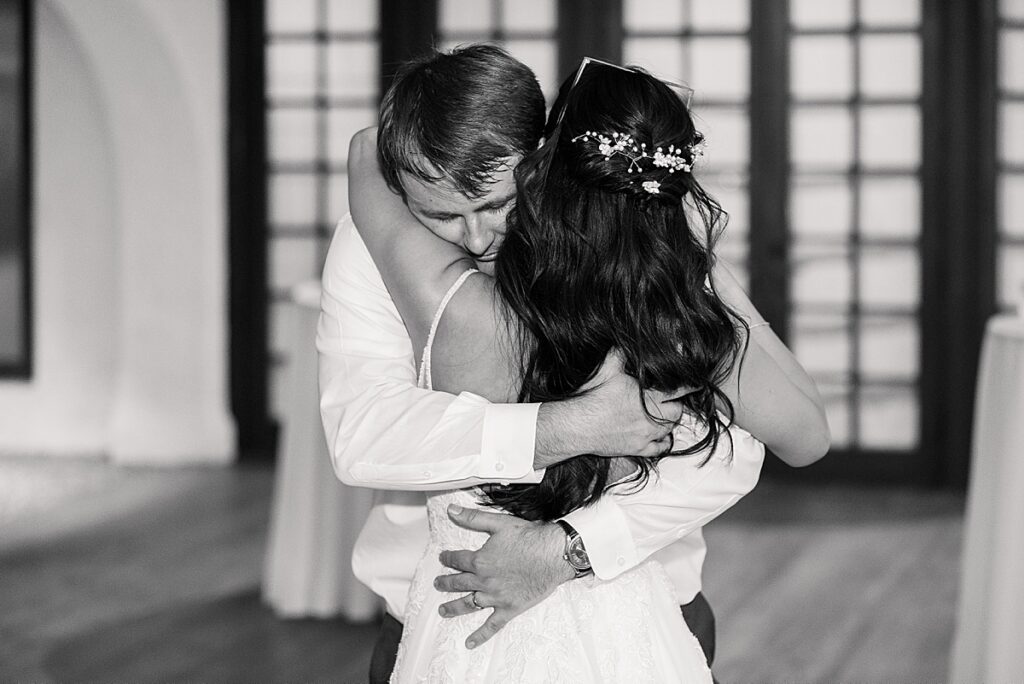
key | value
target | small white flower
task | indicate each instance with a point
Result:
(653, 187)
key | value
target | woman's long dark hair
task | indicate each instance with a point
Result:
(592, 262)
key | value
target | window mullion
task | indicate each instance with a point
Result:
(769, 167)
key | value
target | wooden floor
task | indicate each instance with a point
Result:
(139, 575)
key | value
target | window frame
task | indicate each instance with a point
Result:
(958, 172)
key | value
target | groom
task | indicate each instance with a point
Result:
(465, 112)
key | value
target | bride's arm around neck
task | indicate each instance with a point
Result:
(471, 347)
(772, 395)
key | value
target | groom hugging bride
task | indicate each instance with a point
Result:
(528, 346)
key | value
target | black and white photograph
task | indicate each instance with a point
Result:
(512, 341)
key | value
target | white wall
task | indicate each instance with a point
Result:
(130, 236)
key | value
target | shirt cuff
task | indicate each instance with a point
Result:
(508, 443)
(606, 537)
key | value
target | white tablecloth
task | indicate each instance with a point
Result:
(314, 519)
(989, 642)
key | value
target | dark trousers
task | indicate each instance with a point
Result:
(697, 613)
(385, 651)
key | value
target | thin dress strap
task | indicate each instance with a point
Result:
(424, 377)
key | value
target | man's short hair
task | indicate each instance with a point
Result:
(458, 114)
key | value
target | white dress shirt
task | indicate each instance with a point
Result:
(386, 433)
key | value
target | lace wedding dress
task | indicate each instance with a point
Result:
(588, 631)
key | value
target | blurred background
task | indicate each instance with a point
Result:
(170, 175)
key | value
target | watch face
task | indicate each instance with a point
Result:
(578, 557)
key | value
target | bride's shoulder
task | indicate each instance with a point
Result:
(472, 305)
(473, 349)
(363, 143)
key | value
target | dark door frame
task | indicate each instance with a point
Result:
(248, 295)
(18, 203)
(959, 212)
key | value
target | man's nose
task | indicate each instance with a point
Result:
(479, 236)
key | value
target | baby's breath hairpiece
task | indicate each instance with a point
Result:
(674, 158)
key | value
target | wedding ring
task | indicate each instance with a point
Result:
(472, 597)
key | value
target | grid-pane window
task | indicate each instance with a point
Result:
(322, 82)
(526, 28)
(1010, 160)
(705, 44)
(855, 213)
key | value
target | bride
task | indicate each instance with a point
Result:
(602, 256)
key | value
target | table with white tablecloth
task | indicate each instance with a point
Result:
(989, 642)
(314, 519)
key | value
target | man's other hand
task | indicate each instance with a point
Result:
(519, 566)
(607, 419)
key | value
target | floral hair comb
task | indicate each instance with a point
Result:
(673, 158)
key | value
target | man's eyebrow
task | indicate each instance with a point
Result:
(500, 202)
(427, 211)
(439, 214)
(493, 204)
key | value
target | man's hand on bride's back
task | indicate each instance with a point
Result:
(607, 419)
(518, 566)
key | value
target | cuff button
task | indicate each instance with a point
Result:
(499, 466)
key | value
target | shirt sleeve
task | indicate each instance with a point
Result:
(626, 525)
(382, 430)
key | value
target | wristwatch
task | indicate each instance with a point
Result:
(575, 553)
